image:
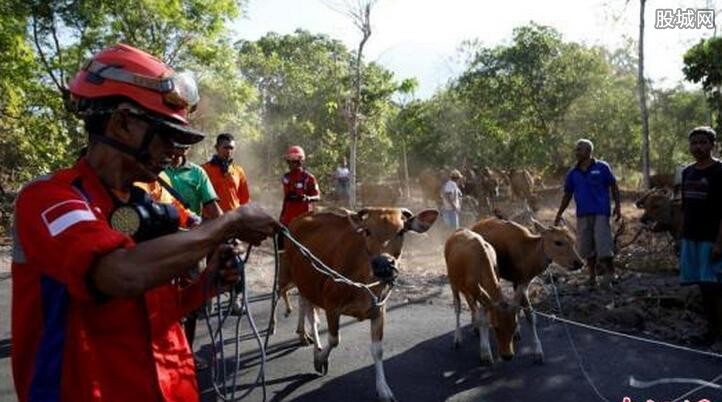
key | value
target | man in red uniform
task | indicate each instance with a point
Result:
(300, 189)
(95, 316)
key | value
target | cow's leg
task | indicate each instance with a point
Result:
(457, 311)
(472, 306)
(286, 301)
(484, 347)
(531, 319)
(303, 337)
(320, 356)
(312, 317)
(377, 352)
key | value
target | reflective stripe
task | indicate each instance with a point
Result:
(18, 252)
(69, 219)
(45, 385)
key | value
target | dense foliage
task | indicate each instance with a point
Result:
(521, 104)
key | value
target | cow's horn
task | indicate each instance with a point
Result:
(407, 213)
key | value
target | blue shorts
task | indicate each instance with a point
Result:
(695, 263)
(451, 218)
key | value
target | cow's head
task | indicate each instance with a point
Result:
(502, 317)
(559, 245)
(658, 210)
(383, 230)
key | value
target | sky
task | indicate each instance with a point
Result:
(421, 38)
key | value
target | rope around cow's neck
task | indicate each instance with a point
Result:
(320, 267)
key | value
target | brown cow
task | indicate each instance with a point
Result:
(357, 245)
(522, 256)
(662, 212)
(471, 267)
(522, 187)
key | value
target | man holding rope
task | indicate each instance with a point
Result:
(95, 314)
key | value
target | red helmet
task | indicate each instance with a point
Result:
(125, 71)
(294, 153)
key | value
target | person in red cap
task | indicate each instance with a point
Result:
(95, 313)
(300, 188)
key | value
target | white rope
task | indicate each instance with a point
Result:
(573, 345)
(632, 381)
(636, 338)
(337, 277)
(683, 396)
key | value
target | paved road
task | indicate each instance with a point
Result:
(421, 366)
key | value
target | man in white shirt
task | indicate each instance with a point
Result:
(451, 198)
(342, 177)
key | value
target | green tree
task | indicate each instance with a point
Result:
(528, 87)
(44, 43)
(703, 64)
(296, 107)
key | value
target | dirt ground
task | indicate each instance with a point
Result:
(647, 300)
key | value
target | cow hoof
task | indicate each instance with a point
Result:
(321, 366)
(287, 314)
(476, 331)
(272, 329)
(388, 399)
(539, 358)
(456, 345)
(517, 337)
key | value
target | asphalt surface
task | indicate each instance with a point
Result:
(421, 365)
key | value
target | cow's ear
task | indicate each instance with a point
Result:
(538, 226)
(422, 221)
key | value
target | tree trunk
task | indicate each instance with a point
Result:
(407, 186)
(643, 100)
(363, 21)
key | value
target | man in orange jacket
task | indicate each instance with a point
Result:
(230, 183)
(228, 179)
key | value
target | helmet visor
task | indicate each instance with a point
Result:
(179, 90)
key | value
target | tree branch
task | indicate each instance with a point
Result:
(58, 52)
(39, 48)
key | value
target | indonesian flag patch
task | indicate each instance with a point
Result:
(66, 214)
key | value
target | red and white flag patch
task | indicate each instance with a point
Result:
(66, 214)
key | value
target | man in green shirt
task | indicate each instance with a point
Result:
(193, 185)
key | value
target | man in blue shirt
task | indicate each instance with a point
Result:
(589, 182)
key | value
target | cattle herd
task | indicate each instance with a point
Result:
(360, 244)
